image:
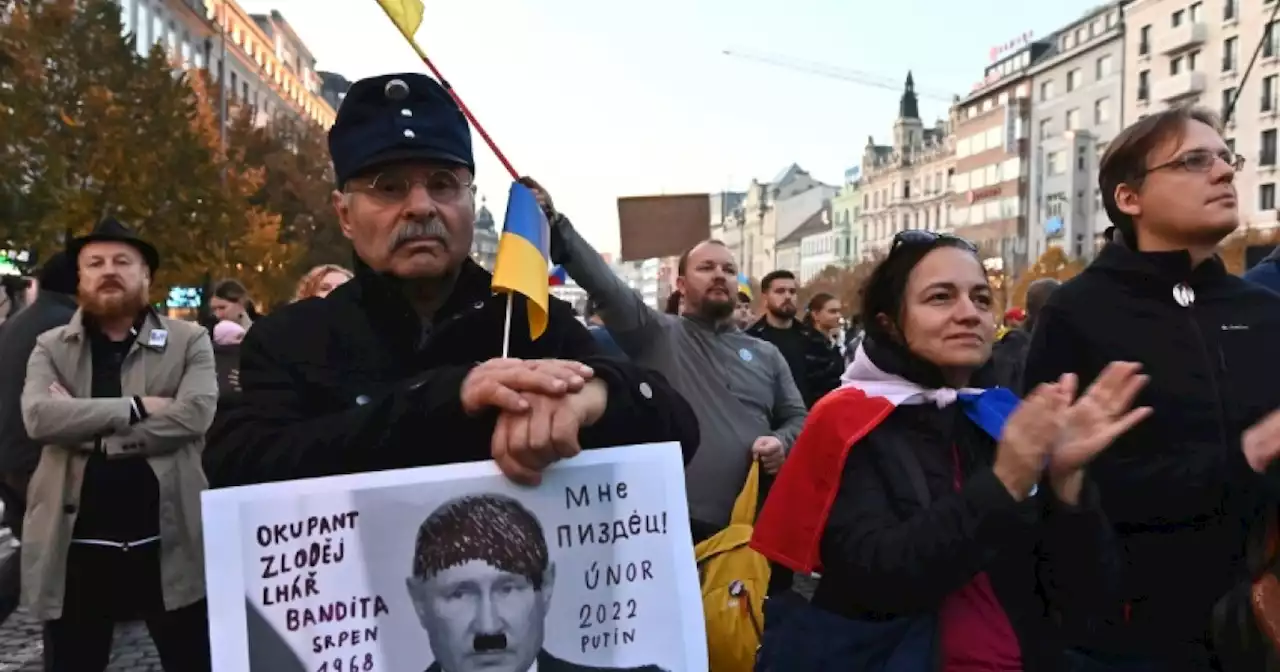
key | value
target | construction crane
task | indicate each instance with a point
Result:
(832, 72)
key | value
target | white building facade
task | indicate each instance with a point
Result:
(1078, 89)
(268, 68)
(1178, 52)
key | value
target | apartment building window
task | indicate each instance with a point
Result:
(1046, 128)
(1144, 85)
(1269, 93)
(1103, 66)
(1046, 90)
(1102, 111)
(1178, 16)
(1055, 163)
(1175, 65)
(1192, 59)
(1230, 53)
(1271, 40)
(1229, 10)
(1228, 95)
(1267, 196)
(1194, 11)
(142, 41)
(1073, 80)
(1267, 155)
(1144, 40)
(157, 28)
(1073, 119)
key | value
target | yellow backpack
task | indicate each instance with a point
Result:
(734, 580)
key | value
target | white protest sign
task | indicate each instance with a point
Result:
(456, 569)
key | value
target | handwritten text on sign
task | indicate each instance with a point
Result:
(297, 554)
(606, 621)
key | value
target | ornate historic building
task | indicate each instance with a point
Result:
(905, 185)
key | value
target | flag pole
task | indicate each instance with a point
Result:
(506, 328)
(454, 94)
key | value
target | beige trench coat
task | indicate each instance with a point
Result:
(169, 358)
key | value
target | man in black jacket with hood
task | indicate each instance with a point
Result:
(815, 363)
(1185, 505)
(403, 365)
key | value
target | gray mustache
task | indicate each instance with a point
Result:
(417, 230)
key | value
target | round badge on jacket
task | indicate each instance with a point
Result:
(746, 355)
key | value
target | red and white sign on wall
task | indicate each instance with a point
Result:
(1016, 43)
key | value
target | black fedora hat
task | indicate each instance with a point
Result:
(110, 230)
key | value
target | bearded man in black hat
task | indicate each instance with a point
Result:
(120, 398)
(402, 366)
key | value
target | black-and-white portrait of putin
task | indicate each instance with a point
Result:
(482, 585)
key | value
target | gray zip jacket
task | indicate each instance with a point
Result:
(740, 387)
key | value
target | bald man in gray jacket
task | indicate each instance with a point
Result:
(740, 387)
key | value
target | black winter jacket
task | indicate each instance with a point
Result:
(1183, 501)
(819, 371)
(19, 455)
(342, 385)
(884, 555)
(1010, 357)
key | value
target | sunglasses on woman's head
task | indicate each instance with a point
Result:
(923, 237)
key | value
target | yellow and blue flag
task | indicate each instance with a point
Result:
(524, 253)
(744, 286)
(406, 14)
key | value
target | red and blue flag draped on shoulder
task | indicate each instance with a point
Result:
(789, 528)
(558, 276)
(523, 256)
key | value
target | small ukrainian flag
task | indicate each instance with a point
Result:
(524, 253)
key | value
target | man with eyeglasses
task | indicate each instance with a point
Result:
(402, 366)
(1190, 491)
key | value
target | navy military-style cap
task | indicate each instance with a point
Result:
(402, 117)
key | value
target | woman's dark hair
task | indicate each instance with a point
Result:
(815, 304)
(883, 294)
(673, 303)
(884, 289)
(230, 290)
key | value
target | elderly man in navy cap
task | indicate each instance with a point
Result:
(402, 366)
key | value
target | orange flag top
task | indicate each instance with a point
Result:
(406, 14)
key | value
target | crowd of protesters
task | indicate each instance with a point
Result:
(1094, 490)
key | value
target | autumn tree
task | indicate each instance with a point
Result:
(1053, 263)
(843, 283)
(297, 185)
(97, 130)
(256, 252)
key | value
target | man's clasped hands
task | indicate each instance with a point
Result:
(542, 404)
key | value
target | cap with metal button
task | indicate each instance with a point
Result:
(394, 118)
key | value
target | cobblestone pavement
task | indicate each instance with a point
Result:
(21, 645)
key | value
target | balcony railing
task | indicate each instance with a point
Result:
(1181, 85)
(1185, 36)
